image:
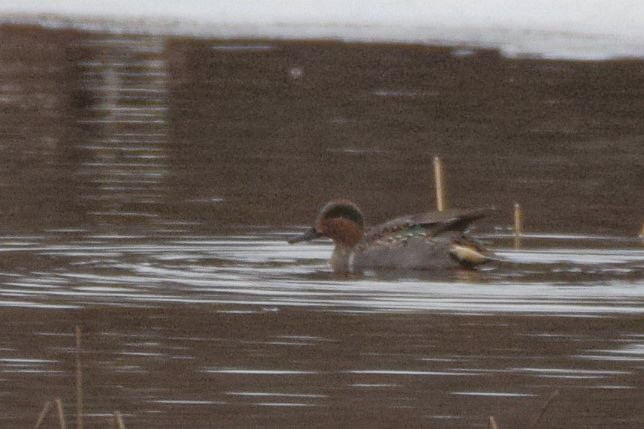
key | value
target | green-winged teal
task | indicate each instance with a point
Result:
(433, 240)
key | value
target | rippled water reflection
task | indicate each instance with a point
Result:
(149, 184)
(250, 323)
(265, 271)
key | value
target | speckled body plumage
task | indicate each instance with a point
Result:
(433, 240)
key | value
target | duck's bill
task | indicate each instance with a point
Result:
(309, 235)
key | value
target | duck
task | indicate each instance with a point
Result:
(425, 241)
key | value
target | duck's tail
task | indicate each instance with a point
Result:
(469, 253)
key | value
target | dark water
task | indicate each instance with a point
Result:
(147, 186)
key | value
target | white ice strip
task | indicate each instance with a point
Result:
(585, 30)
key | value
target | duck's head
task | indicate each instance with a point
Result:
(339, 220)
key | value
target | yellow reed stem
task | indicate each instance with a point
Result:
(119, 420)
(518, 225)
(535, 422)
(439, 180)
(43, 414)
(79, 381)
(492, 424)
(61, 414)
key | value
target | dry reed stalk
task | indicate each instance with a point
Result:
(43, 414)
(492, 423)
(79, 381)
(439, 180)
(119, 420)
(518, 225)
(61, 414)
(552, 396)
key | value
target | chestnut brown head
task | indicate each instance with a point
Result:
(339, 220)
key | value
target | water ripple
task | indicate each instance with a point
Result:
(264, 271)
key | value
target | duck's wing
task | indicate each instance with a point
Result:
(429, 224)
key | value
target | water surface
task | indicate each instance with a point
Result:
(149, 184)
